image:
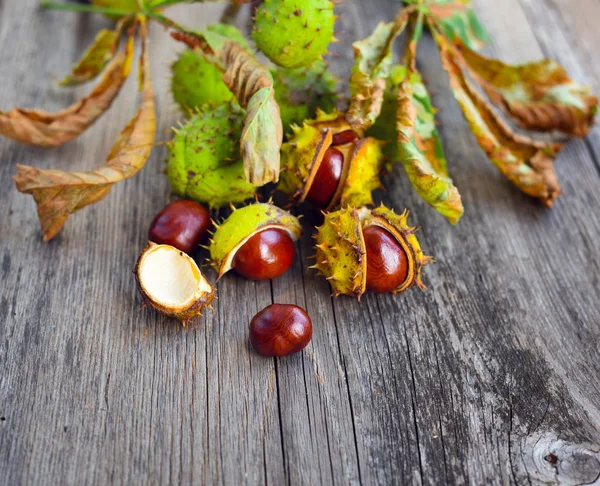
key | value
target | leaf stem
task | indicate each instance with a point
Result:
(76, 7)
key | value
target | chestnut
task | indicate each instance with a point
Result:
(387, 262)
(342, 138)
(280, 329)
(182, 224)
(327, 178)
(265, 255)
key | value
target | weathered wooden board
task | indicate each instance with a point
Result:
(490, 377)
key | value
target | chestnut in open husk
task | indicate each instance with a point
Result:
(256, 240)
(369, 249)
(329, 164)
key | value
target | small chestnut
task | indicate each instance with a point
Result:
(342, 138)
(387, 262)
(182, 224)
(265, 255)
(327, 178)
(280, 329)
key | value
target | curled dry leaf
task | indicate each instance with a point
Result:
(38, 127)
(538, 95)
(525, 162)
(372, 64)
(262, 134)
(96, 57)
(458, 21)
(58, 193)
(421, 149)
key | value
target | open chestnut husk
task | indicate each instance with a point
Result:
(280, 330)
(257, 241)
(171, 282)
(369, 249)
(329, 164)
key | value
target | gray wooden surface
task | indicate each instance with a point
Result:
(491, 377)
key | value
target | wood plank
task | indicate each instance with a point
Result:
(491, 377)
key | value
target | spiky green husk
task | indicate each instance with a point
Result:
(195, 82)
(204, 162)
(304, 151)
(341, 254)
(293, 33)
(397, 225)
(341, 251)
(244, 223)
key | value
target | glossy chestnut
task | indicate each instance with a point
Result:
(387, 262)
(327, 178)
(182, 224)
(265, 255)
(280, 329)
(342, 138)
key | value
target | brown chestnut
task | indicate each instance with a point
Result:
(280, 329)
(327, 178)
(342, 138)
(265, 255)
(387, 262)
(182, 224)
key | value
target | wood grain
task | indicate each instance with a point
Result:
(490, 377)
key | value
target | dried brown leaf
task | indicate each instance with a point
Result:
(59, 193)
(525, 162)
(38, 127)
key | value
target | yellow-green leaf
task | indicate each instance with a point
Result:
(538, 95)
(96, 57)
(421, 149)
(372, 64)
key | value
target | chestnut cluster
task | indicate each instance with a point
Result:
(259, 247)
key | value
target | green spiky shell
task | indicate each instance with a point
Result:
(294, 33)
(195, 81)
(204, 163)
(341, 251)
(303, 153)
(244, 223)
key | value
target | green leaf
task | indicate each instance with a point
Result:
(95, 58)
(525, 162)
(538, 95)
(421, 149)
(458, 21)
(372, 64)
